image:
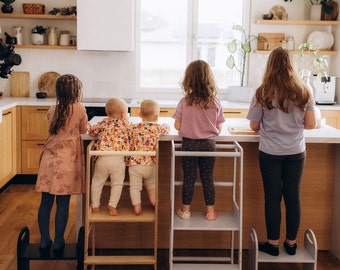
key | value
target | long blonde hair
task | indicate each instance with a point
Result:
(199, 85)
(282, 83)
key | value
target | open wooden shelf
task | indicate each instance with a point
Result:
(320, 52)
(297, 22)
(57, 47)
(37, 16)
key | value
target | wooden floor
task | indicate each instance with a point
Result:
(18, 208)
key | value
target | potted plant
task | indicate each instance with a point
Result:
(239, 48)
(7, 7)
(38, 33)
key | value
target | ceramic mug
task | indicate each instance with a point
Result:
(65, 39)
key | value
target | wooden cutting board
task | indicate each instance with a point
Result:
(242, 131)
(20, 84)
(47, 82)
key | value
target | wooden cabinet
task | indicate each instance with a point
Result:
(30, 20)
(108, 26)
(164, 112)
(34, 132)
(332, 118)
(8, 151)
(234, 113)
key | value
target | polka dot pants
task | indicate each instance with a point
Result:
(205, 166)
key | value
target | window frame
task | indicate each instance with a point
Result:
(192, 27)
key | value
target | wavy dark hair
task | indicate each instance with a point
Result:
(69, 91)
(199, 85)
(282, 84)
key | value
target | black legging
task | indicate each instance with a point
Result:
(61, 217)
(281, 176)
(206, 169)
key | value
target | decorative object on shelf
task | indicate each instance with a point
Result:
(279, 13)
(315, 12)
(6, 6)
(38, 34)
(65, 38)
(64, 11)
(267, 16)
(268, 41)
(321, 40)
(33, 8)
(46, 83)
(239, 48)
(330, 10)
(18, 34)
(52, 39)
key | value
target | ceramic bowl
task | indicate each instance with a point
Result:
(41, 95)
(268, 16)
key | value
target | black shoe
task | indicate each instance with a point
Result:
(59, 252)
(45, 251)
(290, 249)
(269, 249)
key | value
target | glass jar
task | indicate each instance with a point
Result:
(290, 43)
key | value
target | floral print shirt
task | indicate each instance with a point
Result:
(144, 137)
(112, 134)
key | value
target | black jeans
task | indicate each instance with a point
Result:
(206, 169)
(281, 176)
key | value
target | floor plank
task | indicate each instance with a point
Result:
(18, 208)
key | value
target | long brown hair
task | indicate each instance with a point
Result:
(282, 83)
(68, 90)
(199, 85)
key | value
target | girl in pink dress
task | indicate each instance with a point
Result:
(61, 169)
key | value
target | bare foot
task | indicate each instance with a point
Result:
(138, 208)
(112, 210)
(95, 209)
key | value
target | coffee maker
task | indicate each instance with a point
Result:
(324, 93)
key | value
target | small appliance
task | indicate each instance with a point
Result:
(324, 90)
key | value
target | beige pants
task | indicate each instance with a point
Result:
(137, 173)
(113, 166)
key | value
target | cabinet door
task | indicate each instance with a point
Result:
(234, 113)
(106, 25)
(7, 146)
(30, 156)
(332, 118)
(34, 125)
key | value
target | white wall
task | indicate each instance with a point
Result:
(107, 74)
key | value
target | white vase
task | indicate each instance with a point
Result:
(315, 12)
(37, 39)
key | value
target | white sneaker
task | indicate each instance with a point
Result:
(183, 214)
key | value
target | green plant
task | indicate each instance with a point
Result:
(38, 29)
(7, 2)
(310, 63)
(241, 48)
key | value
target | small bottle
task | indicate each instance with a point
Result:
(18, 34)
(284, 44)
(290, 43)
(52, 36)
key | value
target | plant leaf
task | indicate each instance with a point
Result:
(230, 62)
(246, 47)
(232, 46)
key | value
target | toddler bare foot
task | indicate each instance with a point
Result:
(95, 209)
(137, 209)
(112, 210)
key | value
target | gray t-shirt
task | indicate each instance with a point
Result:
(280, 133)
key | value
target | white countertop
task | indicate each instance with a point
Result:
(325, 134)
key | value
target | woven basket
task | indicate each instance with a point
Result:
(33, 8)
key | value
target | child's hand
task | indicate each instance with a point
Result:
(165, 129)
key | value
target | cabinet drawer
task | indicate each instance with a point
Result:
(234, 113)
(30, 155)
(164, 112)
(34, 123)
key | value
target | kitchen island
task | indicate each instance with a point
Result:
(319, 192)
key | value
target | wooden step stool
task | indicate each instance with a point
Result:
(27, 252)
(307, 254)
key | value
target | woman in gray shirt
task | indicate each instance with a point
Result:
(280, 110)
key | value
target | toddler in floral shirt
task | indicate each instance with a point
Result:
(112, 134)
(144, 137)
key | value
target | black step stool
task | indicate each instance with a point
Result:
(27, 251)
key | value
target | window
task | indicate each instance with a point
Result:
(176, 32)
